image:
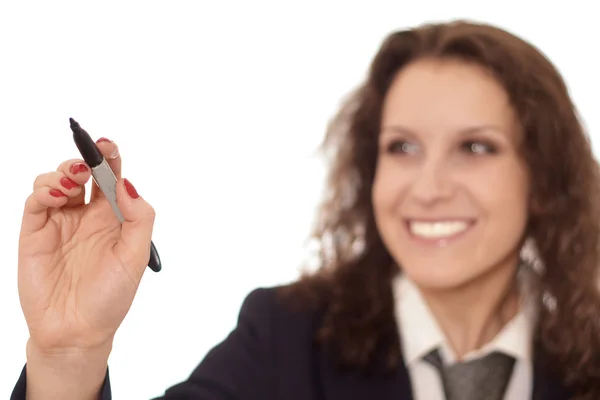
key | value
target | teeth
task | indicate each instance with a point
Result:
(436, 230)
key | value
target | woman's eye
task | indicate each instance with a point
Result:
(475, 147)
(402, 147)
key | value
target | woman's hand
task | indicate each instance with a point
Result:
(79, 268)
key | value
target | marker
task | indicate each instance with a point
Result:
(105, 179)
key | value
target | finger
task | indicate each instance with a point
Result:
(51, 190)
(70, 184)
(136, 231)
(75, 169)
(70, 177)
(110, 151)
(78, 172)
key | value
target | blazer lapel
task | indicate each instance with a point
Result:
(545, 385)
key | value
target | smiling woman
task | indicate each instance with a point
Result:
(460, 249)
(473, 187)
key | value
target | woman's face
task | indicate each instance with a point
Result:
(450, 192)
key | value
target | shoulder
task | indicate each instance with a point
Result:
(277, 309)
(279, 302)
(269, 343)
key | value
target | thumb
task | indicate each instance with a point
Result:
(136, 230)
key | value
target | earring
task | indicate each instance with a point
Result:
(531, 257)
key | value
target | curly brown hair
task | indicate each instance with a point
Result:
(353, 283)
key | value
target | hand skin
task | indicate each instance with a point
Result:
(79, 270)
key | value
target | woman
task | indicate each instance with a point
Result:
(460, 248)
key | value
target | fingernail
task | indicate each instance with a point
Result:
(103, 139)
(78, 167)
(56, 193)
(130, 189)
(68, 183)
(114, 154)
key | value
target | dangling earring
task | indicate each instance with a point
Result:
(531, 257)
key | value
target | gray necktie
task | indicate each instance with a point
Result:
(484, 378)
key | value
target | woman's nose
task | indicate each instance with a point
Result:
(432, 182)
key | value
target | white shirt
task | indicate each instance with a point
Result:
(420, 333)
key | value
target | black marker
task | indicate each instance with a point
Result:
(105, 179)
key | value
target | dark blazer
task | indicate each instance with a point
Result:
(270, 355)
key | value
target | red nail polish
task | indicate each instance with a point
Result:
(130, 189)
(68, 183)
(103, 139)
(77, 168)
(56, 193)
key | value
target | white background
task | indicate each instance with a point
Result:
(217, 108)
